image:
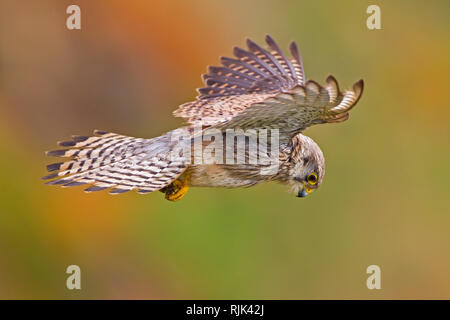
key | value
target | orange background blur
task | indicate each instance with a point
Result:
(384, 199)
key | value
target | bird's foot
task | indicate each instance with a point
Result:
(176, 190)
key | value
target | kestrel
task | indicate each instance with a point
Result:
(258, 90)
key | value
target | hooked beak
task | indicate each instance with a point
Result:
(304, 192)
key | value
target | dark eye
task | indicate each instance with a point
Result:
(312, 178)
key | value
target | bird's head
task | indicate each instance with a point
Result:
(306, 166)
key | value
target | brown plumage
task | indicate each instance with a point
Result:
(257, 90)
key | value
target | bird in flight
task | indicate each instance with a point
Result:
(257, 91)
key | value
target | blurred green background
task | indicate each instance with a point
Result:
(384, 199)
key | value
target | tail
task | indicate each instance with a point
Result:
(108, 160)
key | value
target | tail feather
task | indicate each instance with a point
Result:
(109, 160)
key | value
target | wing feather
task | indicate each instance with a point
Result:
(297, 63)
(283, 61)
(292, 112)
(269, 59)
(243, 80)
(264, 89)
(255, 70)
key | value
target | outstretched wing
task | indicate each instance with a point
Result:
(293, 111)
(265, 89)
(251, 77)
(116, 162)
(254, 71)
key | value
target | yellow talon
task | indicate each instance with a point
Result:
(176, 190)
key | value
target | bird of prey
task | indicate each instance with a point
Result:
(259, 89)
